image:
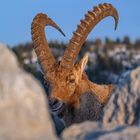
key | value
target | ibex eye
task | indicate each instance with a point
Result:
(72, 80)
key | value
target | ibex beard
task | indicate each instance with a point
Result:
(68, 81)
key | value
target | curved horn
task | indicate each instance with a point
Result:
(42, 49)
(79, 36)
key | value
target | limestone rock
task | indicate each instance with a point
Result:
(121, 133)
(95, 131)
(80, 131)
(23, 105)
(124, 105)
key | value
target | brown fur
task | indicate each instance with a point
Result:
(90, 109)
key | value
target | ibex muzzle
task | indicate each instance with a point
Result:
(68, 80)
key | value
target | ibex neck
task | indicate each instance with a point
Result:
(102, 92)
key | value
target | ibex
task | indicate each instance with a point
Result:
(82, 99)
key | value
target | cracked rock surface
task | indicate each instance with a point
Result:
(124, 105)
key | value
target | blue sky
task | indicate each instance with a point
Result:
(16, 17)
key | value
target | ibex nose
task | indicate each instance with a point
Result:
(55, 104)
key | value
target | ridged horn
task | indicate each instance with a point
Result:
(79, 36)
(41, 47)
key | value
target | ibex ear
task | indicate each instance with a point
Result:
(83, 62)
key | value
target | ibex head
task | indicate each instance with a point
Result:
(67, 80)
